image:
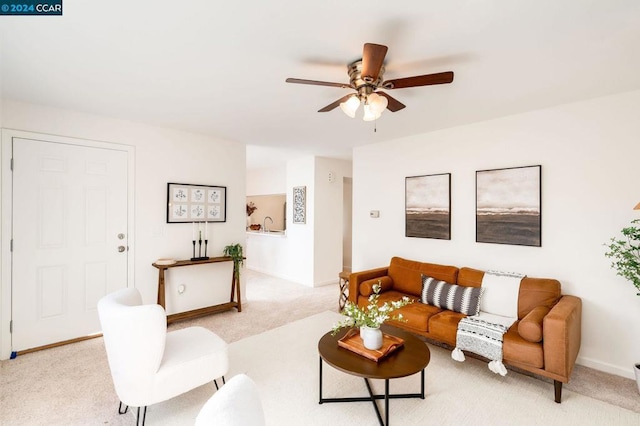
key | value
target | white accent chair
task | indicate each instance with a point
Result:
(237, 403)
(148, 364)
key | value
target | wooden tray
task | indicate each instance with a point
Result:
(353, 342)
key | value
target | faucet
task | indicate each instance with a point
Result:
(264, 223)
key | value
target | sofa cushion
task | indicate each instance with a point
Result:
(530, 327)
(416, 314)
(470, 277)
(537, 292)
(444, 326)
(453, 297)
(516, 349)
(366, 287)
(406, 274)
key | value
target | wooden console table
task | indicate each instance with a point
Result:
(235, 288)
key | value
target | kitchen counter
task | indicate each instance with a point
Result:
(276, 233)
(267, 252)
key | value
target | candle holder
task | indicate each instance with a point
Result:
(200, 257)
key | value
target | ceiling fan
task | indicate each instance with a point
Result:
(366, 78)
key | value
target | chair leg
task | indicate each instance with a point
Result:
(144, 416)
(216, 383)
(126, 408)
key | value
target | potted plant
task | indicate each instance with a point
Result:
(234, 251)
(625, 259)
(625, 254)
(370, 318)
(251, 207)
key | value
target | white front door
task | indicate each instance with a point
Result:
(70, 236)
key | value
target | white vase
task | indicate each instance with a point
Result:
(636, 369)
(371, 337)
(248, 221)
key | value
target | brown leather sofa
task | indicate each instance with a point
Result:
(545, 340)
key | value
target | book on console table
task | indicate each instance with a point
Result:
(353, 342)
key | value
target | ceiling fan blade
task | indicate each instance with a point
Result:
(336, 103)
(394, 104)
(372, 60)
(318, 83)
(419, 80)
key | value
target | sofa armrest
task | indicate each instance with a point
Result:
(356, 278)
(562, 333)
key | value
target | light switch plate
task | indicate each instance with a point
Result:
(374, 213)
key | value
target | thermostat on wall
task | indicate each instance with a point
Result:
(374, 213)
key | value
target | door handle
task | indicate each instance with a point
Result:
(121, 249)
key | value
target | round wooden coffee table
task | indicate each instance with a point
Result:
(411, 358)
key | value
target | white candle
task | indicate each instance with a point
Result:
(205, 230)
(193, 231)
(199, 232)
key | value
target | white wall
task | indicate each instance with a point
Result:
(267, 181)
(300, 236)
(589, 155)
(311, 253)
(162, 156)
(328, 212)
(347, 230)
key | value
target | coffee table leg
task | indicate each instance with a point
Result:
(422, 384)
(386, 402)
(320, 400)
(375, 404)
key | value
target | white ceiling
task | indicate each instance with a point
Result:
(219, 68)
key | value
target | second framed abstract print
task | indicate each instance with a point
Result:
(508, 206)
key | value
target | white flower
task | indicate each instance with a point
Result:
(373, 315)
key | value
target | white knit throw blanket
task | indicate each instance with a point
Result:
(483, 334)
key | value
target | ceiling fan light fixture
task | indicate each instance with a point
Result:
(378, 103)
(369, 113)
(350, 106)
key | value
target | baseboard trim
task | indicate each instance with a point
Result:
(271, 274)
(293, 280)
(606, 367)
(324, 283)
(57, 344)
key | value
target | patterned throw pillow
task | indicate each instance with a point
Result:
(457, 298)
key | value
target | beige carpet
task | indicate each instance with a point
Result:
(284, 364)
(71, 385)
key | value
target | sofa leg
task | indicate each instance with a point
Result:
(557, 385)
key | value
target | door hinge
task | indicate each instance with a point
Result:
(11, 248)
(11, 326)
(12, 164)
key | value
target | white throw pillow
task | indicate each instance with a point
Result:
(501, 290)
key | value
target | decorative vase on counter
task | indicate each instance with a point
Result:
(248, 221)
(371, 337)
